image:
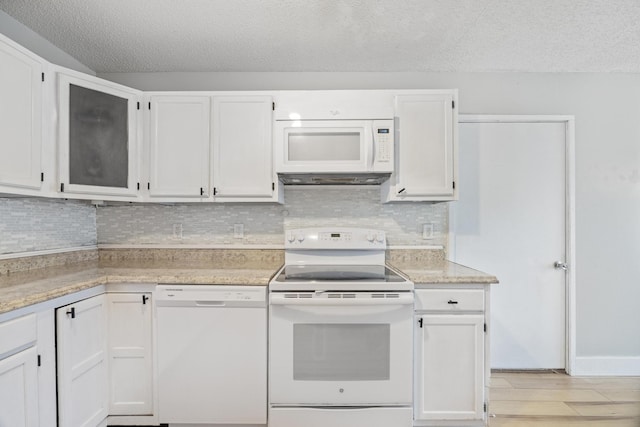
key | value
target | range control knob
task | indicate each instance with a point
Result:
(380, 237)
(291, 237)
(300, 237)
(371, 237)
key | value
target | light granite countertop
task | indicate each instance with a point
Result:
(23, 288)
(447, 273)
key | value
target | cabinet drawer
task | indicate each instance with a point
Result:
(449, 299)
(17, 333)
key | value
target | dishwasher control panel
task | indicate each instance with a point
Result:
(211, 295)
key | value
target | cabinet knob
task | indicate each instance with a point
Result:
(72, 312)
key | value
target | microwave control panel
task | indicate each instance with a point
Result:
(383, 140)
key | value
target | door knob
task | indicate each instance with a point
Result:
(561, 265)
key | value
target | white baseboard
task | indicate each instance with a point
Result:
(606, 366)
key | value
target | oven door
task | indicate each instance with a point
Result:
(329, 349)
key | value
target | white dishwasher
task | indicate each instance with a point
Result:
(212, 354)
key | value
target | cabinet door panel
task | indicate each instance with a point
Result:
(426, 148)
(98, 137)
(19, 389)
(82, 362)
(130, 367)
(450, 367)
(179, 146)
(20, 118)
(242, 134)
(425, 144)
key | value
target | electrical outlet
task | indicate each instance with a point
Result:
(177, 230)
(238, 231)
(427, 230)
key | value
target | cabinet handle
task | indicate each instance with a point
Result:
(420, 322)
(72, 312)
(201, 191)
(144, 299)
(452, 302)
(401, 190)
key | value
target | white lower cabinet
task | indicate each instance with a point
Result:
(19, 389)
(450, 368)
(82, 363)
(19, 373)
(130, 354)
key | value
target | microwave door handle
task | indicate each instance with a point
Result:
(374, 148)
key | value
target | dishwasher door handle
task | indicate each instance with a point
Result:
(210, 303)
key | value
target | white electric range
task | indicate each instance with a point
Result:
(340, 333)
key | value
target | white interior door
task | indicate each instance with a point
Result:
(510, 221)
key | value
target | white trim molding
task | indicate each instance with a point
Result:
(606, 366)
(570, 230)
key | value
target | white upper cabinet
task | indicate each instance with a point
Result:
(242, 149)
(426, 148)
(21, 93)
(334, 105)
(98, 137)
(178, 148)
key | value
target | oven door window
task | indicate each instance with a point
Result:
(341, 352)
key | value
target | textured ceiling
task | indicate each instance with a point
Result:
(340, 35)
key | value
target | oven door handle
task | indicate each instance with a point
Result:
(403, 299)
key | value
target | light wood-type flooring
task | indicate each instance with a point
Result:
(553, 399)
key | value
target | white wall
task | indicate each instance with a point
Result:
(37, 44)
(607, 111)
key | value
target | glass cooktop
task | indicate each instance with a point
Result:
(348, 273)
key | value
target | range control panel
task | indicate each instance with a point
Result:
(335, 238)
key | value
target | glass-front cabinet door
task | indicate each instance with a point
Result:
(98, 135)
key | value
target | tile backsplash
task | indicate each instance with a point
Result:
(264, 224)
(32, 224)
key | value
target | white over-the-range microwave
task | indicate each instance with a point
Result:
(334, 151)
